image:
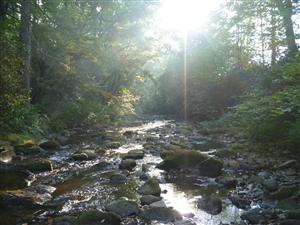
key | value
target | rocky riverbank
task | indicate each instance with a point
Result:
(149, 173)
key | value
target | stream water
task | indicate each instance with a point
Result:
(82, 185)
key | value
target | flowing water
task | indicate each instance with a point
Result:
(82, 185)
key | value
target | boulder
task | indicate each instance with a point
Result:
(84, 154)
(211, 205)
(150, 187)
(24, 198)
(161, 214)
(148, 199)
(50, 145)
(239, 202)
(127, 164)
(284, 192)
(187, 159)
(258, 215)
(95, 217)
(134, 154)
(7, 155)
(123, 207)
(228, 182)
(160, 203)
(118, 178)
(32, 165)
(288, 164)
(270, 184)
(113, 144)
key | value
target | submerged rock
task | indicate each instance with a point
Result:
(161, 214)
(211, 205)
(150, 187)
(127, 164)
(95, 217)
(123, 207)
(228, 182)
(187, 159)
(50, 145)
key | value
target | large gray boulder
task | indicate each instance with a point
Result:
(123, 207)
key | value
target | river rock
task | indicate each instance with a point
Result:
(50, 145)
(160, 203)
(84, 154)
(211, 205)
(289, 222)
(148, 199)
(118, 178)
(288, 164)
(150, 187)
(7, 155)
(284, 192)
(257, 215)
(123, 207)
(24, 198)
(240, 202)
(187, 159)
(134, 154)
(32, 165)
(161, 214)
(127, 164)
(270, 184)
(95, 217)
(228, 182)
(113, 144)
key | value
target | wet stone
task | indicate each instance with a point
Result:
(123, 207)
(50, 145)
(240, 202)
(134, 154)
(148, 199)
(258, 215)
(118, 178)
(127, 164)
(150, 187)
(95, 217)
(161, 214)
(211, 205)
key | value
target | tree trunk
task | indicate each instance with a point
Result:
(25, 34)
(273, 38)
(285, 8)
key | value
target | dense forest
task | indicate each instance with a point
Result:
(80, 78)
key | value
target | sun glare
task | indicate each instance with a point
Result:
(184, 15)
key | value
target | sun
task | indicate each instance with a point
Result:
(184, 15)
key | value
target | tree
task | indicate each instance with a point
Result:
(25, 34)
(285, 8)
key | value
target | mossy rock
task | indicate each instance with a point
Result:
(150, 187)
(95, 217)
(188, 159)
(127, 164)
(284, 192)
(123, 207)
(32, 165)
(50, 145)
